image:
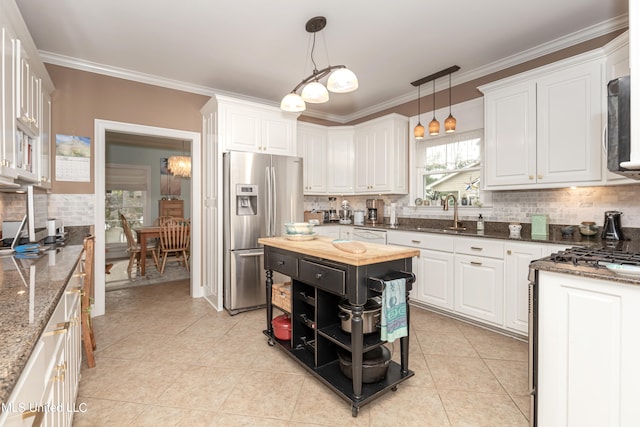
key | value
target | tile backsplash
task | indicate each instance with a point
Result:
(563, 205)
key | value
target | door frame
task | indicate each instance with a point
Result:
(100, 129)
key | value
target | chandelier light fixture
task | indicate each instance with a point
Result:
(180, 165)
(341, 79)
(434, 125)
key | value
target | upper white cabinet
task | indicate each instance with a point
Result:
(380, 150)
(25, 134)
(543, 128)
(369, 158)
(340, 160)
(312, 147)
(248, 126)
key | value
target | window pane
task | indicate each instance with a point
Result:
(130, 203)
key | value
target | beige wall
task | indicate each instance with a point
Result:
(81, 97)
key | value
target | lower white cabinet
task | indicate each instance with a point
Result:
(479, 287)
(588, 351)
(483, 279)
(516, 283)
(46, 391)
(332, 231)
(434, 278)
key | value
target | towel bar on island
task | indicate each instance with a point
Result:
(378, 284)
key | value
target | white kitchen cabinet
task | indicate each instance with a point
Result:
(44, 164)
(543, 128)
(516, 282)
(249, 126)
(312, 146)
(25, 86)
(340, 160)
(332, 231)
(588, 351)
(7, 118)
(479, 279)
(434, 268)
(380, 152)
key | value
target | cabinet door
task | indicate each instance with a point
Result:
(340, 155)
(240, 128)
(332, 231)
(517, 259)
(313, 143)
(435, 283)
(277, 134)
(44, 165)
(569, 124)
(363, 161)
(588, 351)
(510, 135)
(479, 288)
(380, 157)
(7, 118)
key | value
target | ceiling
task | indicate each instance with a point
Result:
(260, 49)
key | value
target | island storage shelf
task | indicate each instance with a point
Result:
(318, 286)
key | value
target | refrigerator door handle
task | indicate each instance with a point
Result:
(274, 198)
(267, 204)
(251, 254)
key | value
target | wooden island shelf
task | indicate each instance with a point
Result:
(321, 276)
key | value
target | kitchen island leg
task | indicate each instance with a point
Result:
(357, 343)
(269, 284)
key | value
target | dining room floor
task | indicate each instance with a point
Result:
(164, 358)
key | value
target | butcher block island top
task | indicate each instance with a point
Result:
(322, 247)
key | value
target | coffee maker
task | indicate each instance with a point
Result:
(375, 211)
(612, 230)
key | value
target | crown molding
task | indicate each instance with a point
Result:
(597, 30)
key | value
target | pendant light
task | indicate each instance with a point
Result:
(434, 125)
(418, 131)
(450, 122)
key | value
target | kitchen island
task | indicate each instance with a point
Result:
(323, 276)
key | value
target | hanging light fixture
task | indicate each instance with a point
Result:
(180, 165)
(434, 125)
(450, 122)
(341, 79)
(418, 131)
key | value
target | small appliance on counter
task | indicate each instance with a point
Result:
(358, 217)
(345, 213)
(55, 231)
(612, 230)
(333, 213)
(375, 211)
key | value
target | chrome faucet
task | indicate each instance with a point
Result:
(445, 207)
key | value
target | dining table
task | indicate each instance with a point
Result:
(145, 233)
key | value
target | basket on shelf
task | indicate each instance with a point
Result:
(281, 296)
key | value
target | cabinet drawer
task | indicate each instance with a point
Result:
(323, 277)
(480, 247)
(421, 240)
(282, 263)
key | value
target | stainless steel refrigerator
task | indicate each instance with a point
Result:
(261, 193)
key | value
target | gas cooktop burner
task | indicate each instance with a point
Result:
(595, 257)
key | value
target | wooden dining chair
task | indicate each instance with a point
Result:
(175, 239)
(134, 248)
(88, 338)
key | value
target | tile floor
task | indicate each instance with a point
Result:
(164, 358)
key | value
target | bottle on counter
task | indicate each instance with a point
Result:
(480, 223)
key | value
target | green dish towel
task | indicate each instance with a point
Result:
(393, 319)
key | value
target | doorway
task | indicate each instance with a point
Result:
(101, 129)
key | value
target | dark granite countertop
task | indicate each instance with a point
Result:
(492, 230)
(601, 273)
(28, 304)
